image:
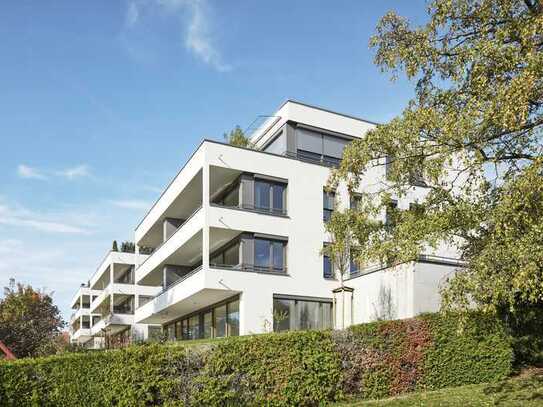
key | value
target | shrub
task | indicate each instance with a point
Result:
(297, 368)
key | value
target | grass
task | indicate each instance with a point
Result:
(524, 390)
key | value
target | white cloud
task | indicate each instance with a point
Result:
(82, 170)
(132, 14)
(54, 268)
(197, 30)
(74, 172)
(198, 39)
(131, 204)
(24, 171)
(21, 217)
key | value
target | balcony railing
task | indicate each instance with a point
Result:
(176, 282)
(172, 235)
(253, 208)
(250, 268)
(315, 158)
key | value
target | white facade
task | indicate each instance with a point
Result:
(214, 240)
(105, 306)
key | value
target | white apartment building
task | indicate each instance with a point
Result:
(105, 306)
(238, 234)
(81, 319)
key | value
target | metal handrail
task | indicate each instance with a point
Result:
(172, 235)
(253, 208)
(333, 162)
(179, 280)
(250, 268)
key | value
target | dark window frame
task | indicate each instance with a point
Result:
(298, 300)
(271, 267)
(184, 320)
(272, 185)
(327, 211)
(326, 259)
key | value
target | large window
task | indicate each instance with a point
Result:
(270, 196)
(269, 255)
(327, 268)
(318, 147)
(328, 204)
(292, 314)
(214, 322)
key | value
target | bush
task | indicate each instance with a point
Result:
(298, 368)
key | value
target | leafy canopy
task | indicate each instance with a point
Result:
(237, 137)
(30, 324)
(473, 133)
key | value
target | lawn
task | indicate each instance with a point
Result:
(524, 390)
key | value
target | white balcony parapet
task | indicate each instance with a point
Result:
(123, 289)
(80, 333)
(186, 231)
(112, 257)
(109, 320)
(83, 290)
(79, 313)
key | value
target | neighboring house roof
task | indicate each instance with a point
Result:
(5, 352)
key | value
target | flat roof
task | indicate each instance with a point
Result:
(327, 110)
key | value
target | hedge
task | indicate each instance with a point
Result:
(297, 368)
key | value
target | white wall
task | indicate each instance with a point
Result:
(400, 292)
(429, 278)
(383, 294)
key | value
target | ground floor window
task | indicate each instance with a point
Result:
(292, 313)
(217, 321)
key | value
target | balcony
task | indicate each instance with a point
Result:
(112, 323)
(115, 267)
(80, 328)
(188, 284)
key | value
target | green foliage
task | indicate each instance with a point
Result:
(128, 247)
(237, 137)
(30, 323)
(473, 133)
(526, 330)
(341, 244)
(429, 352)
(296, 368)
(525, 390)
(114, 246)
(477, 351)
(279, 369)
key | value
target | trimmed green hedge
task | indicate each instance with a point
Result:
(297, 368)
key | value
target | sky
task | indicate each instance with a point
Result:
(102, 102)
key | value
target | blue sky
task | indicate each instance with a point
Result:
(103, 101)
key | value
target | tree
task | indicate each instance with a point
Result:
(237, 137)
(340, 249)
(128, 247)
(114, 246)
(30, 324)
(473, 133)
